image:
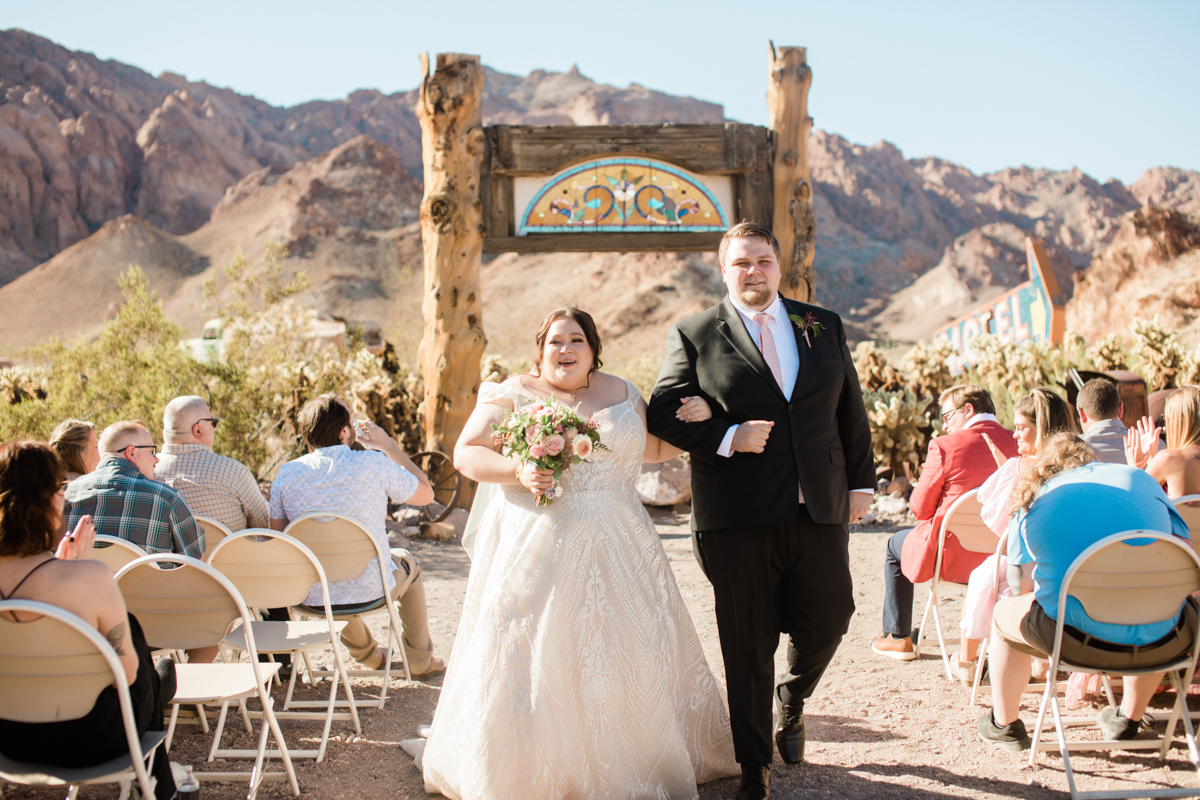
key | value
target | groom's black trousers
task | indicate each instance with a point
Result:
(768, 580)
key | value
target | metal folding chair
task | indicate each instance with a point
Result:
(115, 552)
(1121, 583)
(52, 669)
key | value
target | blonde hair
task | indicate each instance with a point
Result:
(69, 439)
(971, 393)
(1182, 414)
(119, 435)
(747, 230)
(1059, 453)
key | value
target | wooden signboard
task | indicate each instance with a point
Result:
(622, 188)
(1034, 311)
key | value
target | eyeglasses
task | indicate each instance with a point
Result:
(946, 415)
(153, 448)
(214, 420)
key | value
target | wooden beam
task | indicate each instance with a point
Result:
(545, 149)
(794, 223)
(449, 109)
(682, 242)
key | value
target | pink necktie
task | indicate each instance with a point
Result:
(766, 343)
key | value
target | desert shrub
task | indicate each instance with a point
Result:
(926, 369)
(874, 371)
(22, 383)
(900, 429)
(271, 366)
(1158, 355)
(1108, 353)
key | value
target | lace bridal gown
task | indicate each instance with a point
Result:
(576, 672)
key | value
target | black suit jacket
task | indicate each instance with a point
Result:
(821, 438)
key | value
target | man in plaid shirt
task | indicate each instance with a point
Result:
(213, 485)
(124, 500)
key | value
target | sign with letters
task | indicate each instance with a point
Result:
(1034, 311)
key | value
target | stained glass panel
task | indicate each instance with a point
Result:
(623, 195)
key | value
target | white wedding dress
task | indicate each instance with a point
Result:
(576, 672)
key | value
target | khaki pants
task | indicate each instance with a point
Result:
(1025, 627)
(418, 647)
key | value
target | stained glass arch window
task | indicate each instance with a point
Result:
(623, 195)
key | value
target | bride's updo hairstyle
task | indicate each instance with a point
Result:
(585, 321)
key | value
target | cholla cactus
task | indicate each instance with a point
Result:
(1189, 373)
(22, 383)
(1159, 354)
(1108, 353)
(874, 372)
(1018, 367)
(898, 421)
(925, 365)
(492, 368)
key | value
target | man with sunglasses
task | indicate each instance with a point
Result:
(123, 498)
(957, 462)
(213, 485)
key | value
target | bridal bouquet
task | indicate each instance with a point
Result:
(549, 435)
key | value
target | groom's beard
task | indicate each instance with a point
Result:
(754, 297)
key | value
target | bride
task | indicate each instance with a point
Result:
(576, 672)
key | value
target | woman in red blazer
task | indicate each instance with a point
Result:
(957, 462)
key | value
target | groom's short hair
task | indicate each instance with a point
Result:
(747, 230)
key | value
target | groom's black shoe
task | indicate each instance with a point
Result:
(756, 783)
(789, 736)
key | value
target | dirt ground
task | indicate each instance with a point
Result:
(877, 728)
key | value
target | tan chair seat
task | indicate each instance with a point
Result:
(211, 683)
(284, 637)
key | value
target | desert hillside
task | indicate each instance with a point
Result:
(105, 165)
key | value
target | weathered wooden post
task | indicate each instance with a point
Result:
(794, 224)
(450, 112)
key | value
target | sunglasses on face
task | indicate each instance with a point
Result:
(153, 448)
(214, 420)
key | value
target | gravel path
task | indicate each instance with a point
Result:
(877, 727)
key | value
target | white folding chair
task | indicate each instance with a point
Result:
(273, 570)
(964, 521)
(215, 532)
(1125, 584)
(192, 606)
(344, 548)
(53, 668)
(115, 552)
(1188, 507)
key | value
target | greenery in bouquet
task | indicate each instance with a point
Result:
(549, 435)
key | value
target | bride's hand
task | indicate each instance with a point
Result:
(693, 409)
(534, 478)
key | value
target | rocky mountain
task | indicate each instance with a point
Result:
(904, 245)
(84, 141)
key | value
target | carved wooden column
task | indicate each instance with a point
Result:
(450, 113)
(795, 226)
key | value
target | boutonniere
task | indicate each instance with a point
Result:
(807, 323)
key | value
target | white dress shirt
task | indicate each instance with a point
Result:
(785, 350)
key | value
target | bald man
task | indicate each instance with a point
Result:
(213, 485)
(123, 498)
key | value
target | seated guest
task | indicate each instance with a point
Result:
(1100, 411)
(333, 478)
(1066, 503)
(1177, 469)
(76, 444)
(123, 499)
(1036, 417)
(37, 564)
(213, 486)
(957, 463)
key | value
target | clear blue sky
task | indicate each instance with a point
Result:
(1109, 87)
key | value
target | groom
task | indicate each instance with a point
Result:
(777, 473)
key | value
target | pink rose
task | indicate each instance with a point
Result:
(558, 428)
(554, 444)
(569, 434)
(531, 434)
(582, 447)
(537, 451)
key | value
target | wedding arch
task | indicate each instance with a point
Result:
(568, 188)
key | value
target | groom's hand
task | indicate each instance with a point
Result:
(751, 437)
(860, 504)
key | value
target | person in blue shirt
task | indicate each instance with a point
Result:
(1065, 504)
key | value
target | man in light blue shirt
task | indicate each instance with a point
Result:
(1084, 503)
